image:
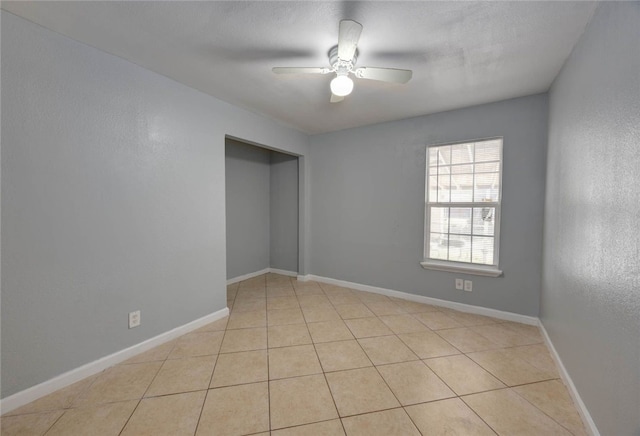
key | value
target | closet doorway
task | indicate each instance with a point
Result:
(262, 209)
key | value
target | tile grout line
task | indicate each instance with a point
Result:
(500, 379)
(266, 308)
(208, 388)
(402, 406)
(459, 397)
(141, 398)
(550, 417)
(53, 423)
(324, 374)
(145, 391)
(507, 386)
(266, 320)
(380, 375)
(372, 366)
(478, 415)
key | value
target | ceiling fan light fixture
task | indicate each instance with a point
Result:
(342, 59)
(341, 85)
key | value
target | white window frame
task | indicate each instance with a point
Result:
(455, 266)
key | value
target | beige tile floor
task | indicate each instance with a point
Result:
(306, 358)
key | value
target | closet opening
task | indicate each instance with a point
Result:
(262, 210)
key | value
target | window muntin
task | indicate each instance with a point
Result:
(462, 204)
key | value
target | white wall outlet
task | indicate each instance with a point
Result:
(459, 284)
(134, 319)
(468, 285)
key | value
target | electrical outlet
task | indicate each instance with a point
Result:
(459, 284)
(468, 285)
(134, 319)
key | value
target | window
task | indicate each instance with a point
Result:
(462, 207)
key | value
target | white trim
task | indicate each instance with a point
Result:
(589, 425)
(248, 276)
(462, 307)
(465, 268)
(28, 395)
(283, 272)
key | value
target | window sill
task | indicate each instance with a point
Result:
(478, 270)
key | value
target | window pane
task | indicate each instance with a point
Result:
(462, 169)
(443, 193)
(491, 167)
(487, 187)
(461, 153)
(482, 250)
(433, 156)
(484, 220)
(460, 220)
(462, 188)
(439, 220)
(444, 155)
(444, 170)
(487, 150)
(433, 189)
(444, 184)
(460, 248)
(438, 246)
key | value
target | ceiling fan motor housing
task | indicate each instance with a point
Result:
(341, 66)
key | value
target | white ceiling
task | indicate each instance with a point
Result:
(461, 53)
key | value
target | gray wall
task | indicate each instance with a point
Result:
(367, 203)
(284, 212)
(113, 199)
(248, 205)
(591, 274)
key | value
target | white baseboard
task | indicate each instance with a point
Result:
(509, 316)
(589, 425)
(21, 398)
(248, 276)
(261, 272)
(283, 272)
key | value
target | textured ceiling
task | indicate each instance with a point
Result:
(461, 53)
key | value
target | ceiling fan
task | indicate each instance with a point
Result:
(342, 61)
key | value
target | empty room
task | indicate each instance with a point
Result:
(320, 218)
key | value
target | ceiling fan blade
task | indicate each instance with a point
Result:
(336, 98)
(384, 74)
(348, 39)
(300, 70)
